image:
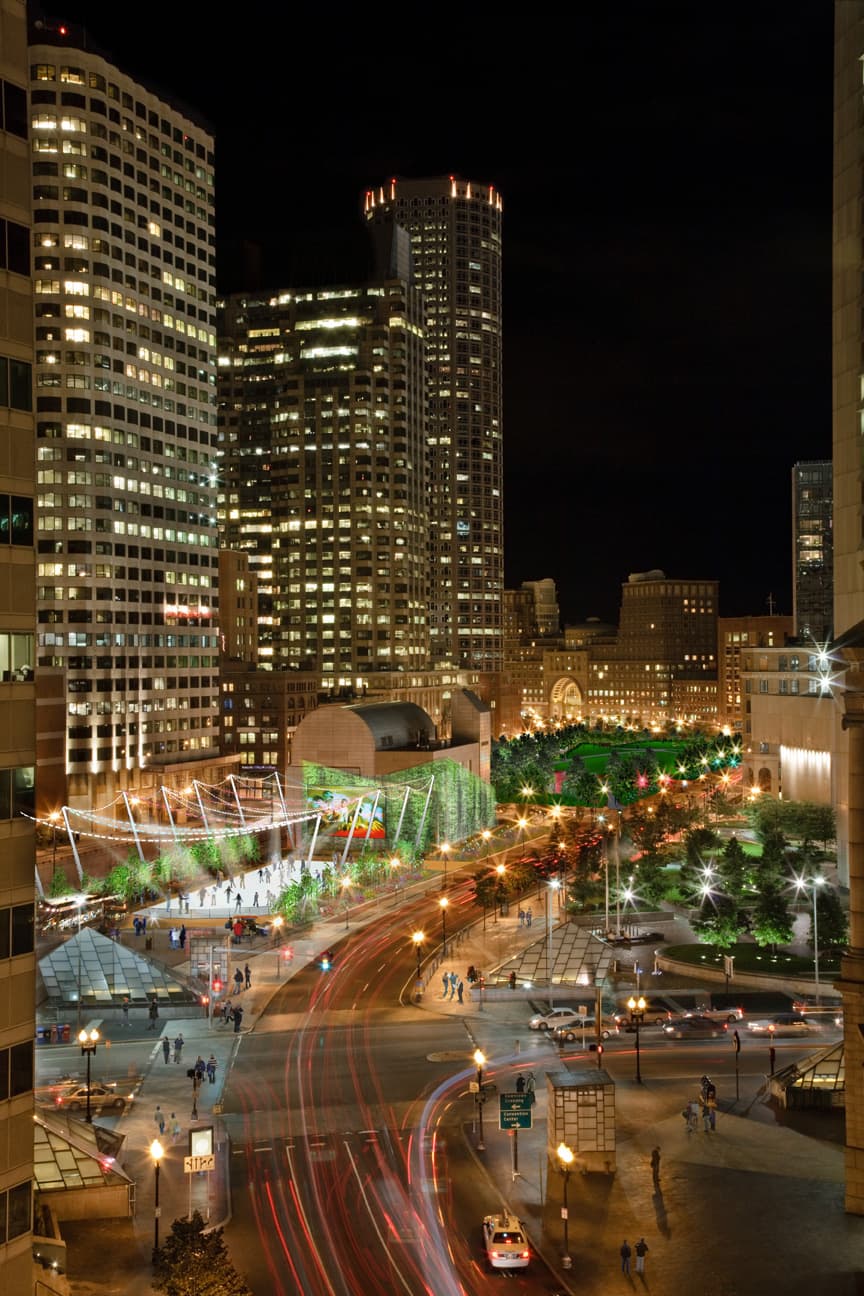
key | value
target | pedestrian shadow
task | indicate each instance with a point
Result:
(660, 1216)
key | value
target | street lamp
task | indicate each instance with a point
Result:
(480, 1062)
(278, 924)
(637, 1014)
(88, 1041)
(443, 902)
(157, 1152)
(554, 884)
(801, 884)
(565, 1165)
(418, 938)
(443, 850)
(54, 817)
(346, 883)
(500, 869)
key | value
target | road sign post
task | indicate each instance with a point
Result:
(515, 1111)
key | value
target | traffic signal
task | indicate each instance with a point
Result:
(288, 954)
(217, 986)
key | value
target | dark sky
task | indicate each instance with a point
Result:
(666, 173)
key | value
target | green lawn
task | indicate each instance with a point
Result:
(750, 958)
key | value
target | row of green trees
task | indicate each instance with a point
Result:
(134, 879)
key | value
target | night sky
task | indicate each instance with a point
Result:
(666, 174)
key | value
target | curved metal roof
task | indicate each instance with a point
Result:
(396, 724)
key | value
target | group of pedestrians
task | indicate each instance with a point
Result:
(641, 1249)
(178, 1047)
(232, 1014)
(242, 980)
(453, 985)
(177, 937)
(526, 917)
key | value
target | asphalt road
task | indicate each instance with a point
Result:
(350, 1172)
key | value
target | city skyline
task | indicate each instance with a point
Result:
(667, 246)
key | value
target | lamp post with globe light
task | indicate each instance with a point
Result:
(156, 1152)
(443, 902)
(480, 1062)
(88, 1041)
(814, 883)
(637, 1008)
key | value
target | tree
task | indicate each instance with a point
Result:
(771, 922)
(733, 867)
(718, 922)
(831, 919)
(772, 866)
(194, 1263)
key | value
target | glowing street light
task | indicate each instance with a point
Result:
(88, 1041)
(480, 1062)
(637, 1008)
(444, 850)
(565, 1165)
(801, 884)
(554, 884)
(156, 1152)
(346, 883)
(418, 938)
(443, 902)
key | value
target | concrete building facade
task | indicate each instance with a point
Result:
(454, 227)
(735, 635)
(17, 688)
(124, 278)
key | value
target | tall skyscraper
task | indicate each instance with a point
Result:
(323, 424)
(455, 231)
(813, 550)
(124, 280)
(17, 635)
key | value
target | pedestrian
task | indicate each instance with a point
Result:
(452, 984)
(520, 1084)
(529, 916)
(159, 1118)
(238, 982)
(521, 917)
(625, 1257)
(706, 1119)
(166, 1047)
(247, 972)
(172, 937)
(136, 923)
(227, 1013)
(182, 937)
(511, 980)
(124, 1008)
(641, 1252)
(255, 900)
(211, 1069)
(202, 896)
(460, 989)
(238, 903)
(238, 1020)
(712, 1117)
(530, 1087)
(445, 981)
(200, 1068)
(175, 1128)
(655, 1166)
(266, 875)
(152, 1013)
(178, 1046)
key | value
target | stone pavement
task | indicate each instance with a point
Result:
(742, 1210)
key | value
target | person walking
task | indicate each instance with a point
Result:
(166, 1047)
(521, 917)
(238, 1020)
(247, 972)
(124, 1008)
(152, 1013)
(255, 900)
(211, 1069)
(159, 1119)
(520, 1084)
(238, 982)
(175, 1128)
(452, 984)
(182, 937)
(445, 981)
(530, 1087)
(641, 1252)
(625, 1257)
(460, 989)
(706, 1118)
(178, 1046)
(655, 1166)
(529, 916)
(200, 1069)
(238, 903)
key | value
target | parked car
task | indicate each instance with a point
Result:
(549, 1020)
(693, 1027)
(504, 1242)
(574, 1030)
(783, 1024)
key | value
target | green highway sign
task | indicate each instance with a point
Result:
(515, 1111)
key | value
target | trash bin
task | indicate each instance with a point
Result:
(43, 1034)
(148, 943)
(67, 1030)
